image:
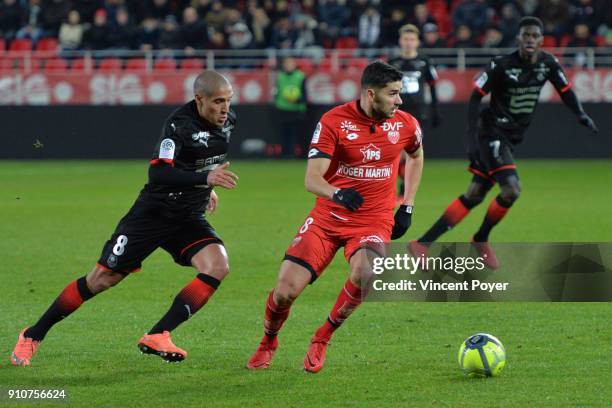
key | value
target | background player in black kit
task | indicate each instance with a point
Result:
(189, 160)
(514, 81)
(417, 71)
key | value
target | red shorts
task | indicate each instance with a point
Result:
(322, 234)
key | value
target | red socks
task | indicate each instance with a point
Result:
(455, 212)
(348, 300)
(274, 316)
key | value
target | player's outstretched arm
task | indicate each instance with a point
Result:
(315, 183)
(570, 99)
(222, 177)
(412, 180)
(171, 176)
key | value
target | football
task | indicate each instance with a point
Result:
(482, 355)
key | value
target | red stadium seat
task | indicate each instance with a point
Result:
(357, 64)
(110, 65)
(165, 65)
(6, 66)
(137, 64)
(549, 41)
(80, 65)
(305, 65)
(565, 40)
(21, 45)
(2, 45)
(47, 44)
(347, 43)
(56, 64)
(194, 64)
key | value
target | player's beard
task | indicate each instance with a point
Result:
(380, 113)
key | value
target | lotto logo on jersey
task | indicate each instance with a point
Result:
(370, 153)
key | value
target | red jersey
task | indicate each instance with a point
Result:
(365, 156)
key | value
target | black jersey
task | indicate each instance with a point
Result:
(190, 143)
(417, 71)
(515, 88)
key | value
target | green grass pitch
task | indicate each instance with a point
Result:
(55, 216)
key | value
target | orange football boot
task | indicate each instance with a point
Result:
(161, 344)
(24, 350)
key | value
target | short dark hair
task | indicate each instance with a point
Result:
(531, 21)
(378, 74)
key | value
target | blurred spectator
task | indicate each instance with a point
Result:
(122, 34)
(472, 13)
(202, 6)
(169, 36)
(493, 38)
(259, 23)
(333, 17)
(87, 8)
(96, 37)
(422, 16)
(306, 35)
(431, 37)
(71, 32)
(357, 9)
(216, 40)
(55, 13)
(32, 29)
(508, 24)
(290, 103)
(10, 18)
(283, 36)
(396, 20)
(148, 34)
(583, 12)
(158, 9)
(528, 7)
(215, 18)
(582, 37)
(193, 33)
(554, 15)
(463, 38)
(309, 7)
(239, 37)
(369, 28)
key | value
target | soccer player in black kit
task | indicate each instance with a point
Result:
(514, 81)
(417, 71)
(189, 160)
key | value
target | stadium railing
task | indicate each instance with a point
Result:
(28, 61)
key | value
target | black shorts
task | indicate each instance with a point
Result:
(496, 161)
(140, 232)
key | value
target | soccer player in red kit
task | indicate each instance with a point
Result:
(352, 166)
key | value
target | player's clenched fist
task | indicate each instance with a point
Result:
(349, 198)
(222, 177)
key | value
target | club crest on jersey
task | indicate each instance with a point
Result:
(392, 129)
(347, 126)
(201, 137)
(370, 153)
